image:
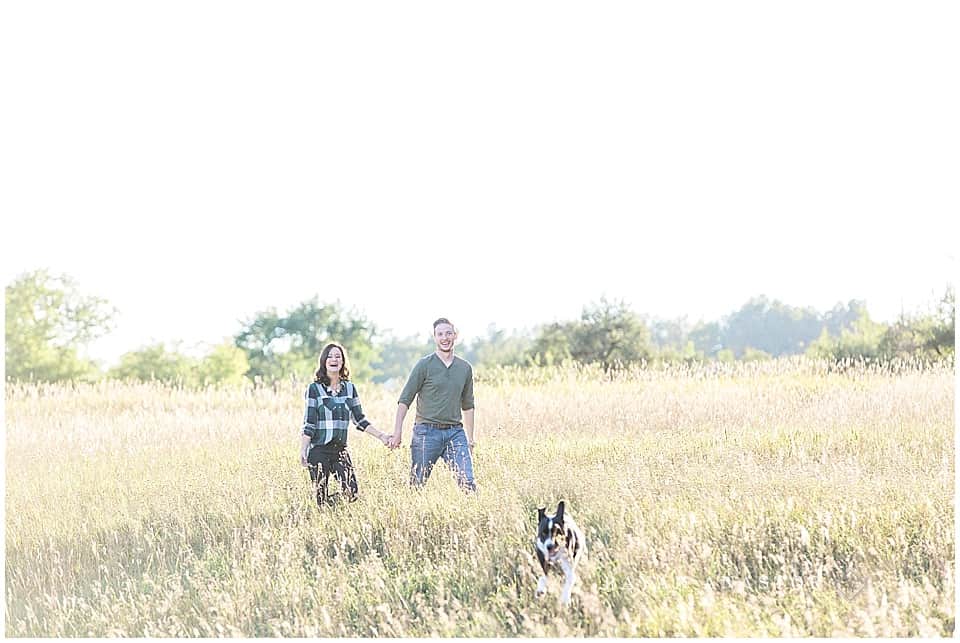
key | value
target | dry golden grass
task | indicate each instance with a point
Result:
(762, 499)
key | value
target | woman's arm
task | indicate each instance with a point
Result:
(304, 449)
(310, 418)
(361, 421)
(383, 437)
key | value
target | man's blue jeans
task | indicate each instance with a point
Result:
(430, 444)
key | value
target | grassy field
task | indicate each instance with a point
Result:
(762, 499)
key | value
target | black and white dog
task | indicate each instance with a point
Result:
(559, 542)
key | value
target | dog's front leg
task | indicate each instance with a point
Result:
(569, 578)
(542, 585)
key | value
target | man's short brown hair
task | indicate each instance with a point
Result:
(443, 320)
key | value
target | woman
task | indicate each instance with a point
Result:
(331, 400)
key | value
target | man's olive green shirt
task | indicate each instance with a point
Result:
(442, 391)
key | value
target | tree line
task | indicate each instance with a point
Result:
(49, 323)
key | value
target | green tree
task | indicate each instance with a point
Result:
(281, 346)
(686, 353)
(772, 327)
(707, 338)
(842, 316)
(673, 340)
(925, 335)
(610, 333)
(156, 363)
(725, 355)
(862, 340)
(670, 333)
(225, 364)
(751, 354)
(398, 355)
(49, 324)
(498, 348)
(943, 340)
(607, 333)
(552, 344)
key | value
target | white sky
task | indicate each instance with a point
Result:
(496, 162)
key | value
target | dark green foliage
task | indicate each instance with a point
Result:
(225, 364)
(607, 333)
(707, 338)
(926, 336)
(772, 327)
(398, 355)
(48, 325)
(552, 344)
(497, 347)
(761, 329)
(842, 317)
(155, 362)
(287, 346)
(860, 341)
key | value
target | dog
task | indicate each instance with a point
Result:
(559, 542)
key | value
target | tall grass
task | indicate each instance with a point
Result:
(780, 498)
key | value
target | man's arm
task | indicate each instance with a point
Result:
(394, 440)
(468, 425)
(467, 406)
(410, 390)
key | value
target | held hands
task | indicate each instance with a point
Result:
(303, 457)
(391, 441)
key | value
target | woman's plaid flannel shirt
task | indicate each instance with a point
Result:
(327, 416)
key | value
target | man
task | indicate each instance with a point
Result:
(443, 386)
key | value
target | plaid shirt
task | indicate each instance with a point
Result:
(327, 417)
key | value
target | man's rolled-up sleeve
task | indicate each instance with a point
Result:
(414, 382)
(466, 397)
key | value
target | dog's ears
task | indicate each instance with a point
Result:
(559, 516)
(541, 512)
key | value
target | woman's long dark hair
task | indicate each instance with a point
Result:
(321, 374)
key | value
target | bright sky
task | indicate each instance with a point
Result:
(496, 163)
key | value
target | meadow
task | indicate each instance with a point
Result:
(782, 498)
